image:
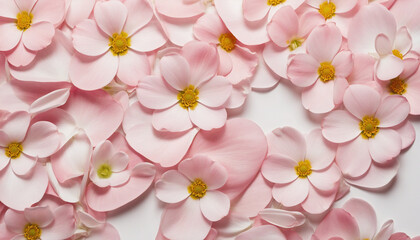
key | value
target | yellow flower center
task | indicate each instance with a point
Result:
(326, 72)
(327, 9)
(397, 86)
(188, 98)
(197, 189)
(397, 53)
(275, 2)
(32, 232)
(104, 171)
(119, 43)
(24, 20)
(369, 127)
(227, 42)
(13, 150)
(295, 43)
(303, 169)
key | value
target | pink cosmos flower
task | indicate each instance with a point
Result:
(29, 27)
(113, 44)
(355, 220)
(323, 70)
(194, 198)
(302, 169)
(188, 92)
(366, 130)
(41, 223)
(255, 10)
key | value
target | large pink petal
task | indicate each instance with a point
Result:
(148, 38)
(139, 14)
(215, 92)
(16, 125)
(25, 5)
(47, 11)
(407, 133)
(372, 181)
(79, 10)
(255, 10)
(413, 93)
(4, 160)
(319, 151)
(50, 101)
(389, 67)
(173, 119)
(13, 35)
(343, 6)
(209, 27)
(91, 73)
(178, 218)
(302, 70)
(38, 36)
(64, 223)
(340, 87)
(353, 157)
(215, 205)
(392, 111)
(319, 98)
(179, 9)
(279, 169)
(110, 16)
(293, 193)
(361, 100)
(15, 221)
(363, 70)
(244, 64)
(39, 215)
(9, 9)
(208, 118)
(107, 231)
(383, 45)
(318, 202)
(89, 40)
(132, 67)
(324, 42)
(176, 71)
(20, 55)
(287, 141)
(277, 60)
(231, 224)
(266, 232)
(283, 26)
(42, 140)
(23, 164)
(282, 218)
(403, 40)
(153, 93)
(338, 223)
(364, 215)
(385, 145)
(212, 173)
(327, 180)
(172, 187)
(343, 64)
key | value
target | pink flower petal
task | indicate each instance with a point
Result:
(383, 45)
(119, 161)
(13, 35)
(64, 224)
(287, 141)
(407, 133)
(327, 180)
(213, 174)
(39, 215)
(16, 126)
(148, 38)
(178, 218)
(403, 40)
(47, 11)
(20, 55)
(361, 101)
(215, 92)
(23, 164)
(343, 6)
(303, 70)
(107, 231)
(392, 111)
(283, 26)
(338, 223)
(268, 232)
(176, 71)
(363, 70)
(282, 218)
(78, 11)
(343, 63)
(139, 14)
(279, 169)
(385, 145)
(324, 42)
(102, 153)
(15, 221)
(132, 67)
(4, 160)
(42, 140)
(292, 194)
(209, 27)
(173, 119)
(244, 65)
(277, 60)
(50, 101)
(208, 118)
(353, 157)
(153, 93)
(38, 36)
(25, 5)
(225, 59)
(340, 87)
(179, 9)
(364, 215)
(318, 202)
(214, 205)
(89, 40)
(319, 98)
(319, 151)
(371, 181)
(110, 16)
(389, 67)
(9, 9)
(172, 187)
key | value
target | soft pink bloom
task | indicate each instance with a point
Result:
(256, 10)
(355, 220)
(41, 222)
(29, 27)
(367, 130)
(113, 44)
(323, 70)
(193, 193)
(302, 169)
(189, 92)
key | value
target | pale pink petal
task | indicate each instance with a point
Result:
(47, 11)
(275, 59)
(318, 202)
(215, 92)
(308, 21)
(214, 205)
(282, 218)
(268, 232)
(343, 6)
(16, 126)
(385, 145)
(413, 93)
(4, 140)
(4, 160)
(178, 218)
(292, 194)
(13, 35)
(225, 59)
(279, 169)
(283, 26)
(392, 111)
(319, 98)
(371, 181)
(119, 161)
(255, 10)
(23, 164)
(340, 87)
(232, 224)
(244, 66)
(178, 9)
(287, 141)
(102, 153)
(39, 215)
(209, 27)
(172, 187)
(148, 38)
(324, 42)
(25, 5)
(64, 224)
(42, 140)
(343, 64)
(91, 73)
(15, 221)
(407, 133)
(364, 215)
(319, 151)
(89, 40)
(403, 40)
(363, 70)
(20, 55)
(303, 70)
(213, 174)
(208, 118)
(107, 231)
(361, 100)
(353, 157)
(389, 67)
(132, 67)
(410, 68)
(50, 101)
(326, 180)
(38, 36)
(9, 9)
(78, 11)
(110, 16)
(153, 93)
(338, 223)
(383, 45)
(139, 14)
(173, 119)
(400, 236)
(119, 178)
(176, 71)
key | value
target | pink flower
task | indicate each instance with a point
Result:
(366, 130)
(355, 220)
(195, 199)
(406, 15)
(323, 70)
(29, 27)
(41, 223)
(255, 10)
(189, 91)
(114, 44)
(301, 169)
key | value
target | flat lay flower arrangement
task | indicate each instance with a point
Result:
(102, 100)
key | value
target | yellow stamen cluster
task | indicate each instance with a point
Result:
(197, 189)
(397, 86)
(275, 2)
(24, 20)
(119, 43)
(227, 42)
(13, 150)
(32, 232)
(303, 169)
(295, 43)
(327, 9)
(104, 171)
(188, 98)
(397, 53)
(369, 127)
(326, 72)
